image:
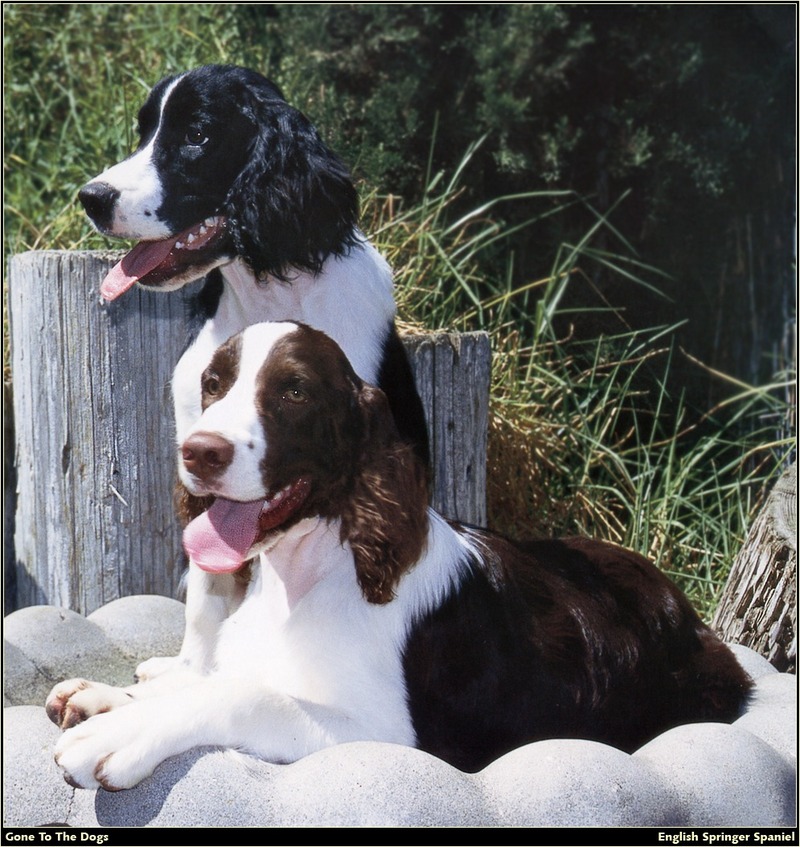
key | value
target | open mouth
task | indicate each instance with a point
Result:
(220, 539)
(158, 262)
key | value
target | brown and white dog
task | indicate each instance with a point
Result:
(367, 616)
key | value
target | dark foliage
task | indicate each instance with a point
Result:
(676, 120)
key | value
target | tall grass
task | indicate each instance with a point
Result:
(586, 436)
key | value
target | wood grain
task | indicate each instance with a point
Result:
(758, 605)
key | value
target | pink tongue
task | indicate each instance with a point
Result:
(134, 265)
(218, 540)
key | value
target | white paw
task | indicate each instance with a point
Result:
(75, 700)
(111, 751)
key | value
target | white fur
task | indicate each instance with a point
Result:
(236, 419)
(296, 701)
(141, 193)
(351, 301)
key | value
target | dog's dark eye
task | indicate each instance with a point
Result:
(196, 137)
(211, 385)
(294, 395)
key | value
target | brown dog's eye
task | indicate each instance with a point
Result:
(294, 395)
(211, 385)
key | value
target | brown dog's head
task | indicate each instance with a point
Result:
(289, 431)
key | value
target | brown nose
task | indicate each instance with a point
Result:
(206, 454)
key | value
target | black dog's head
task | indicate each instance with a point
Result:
(225, 168)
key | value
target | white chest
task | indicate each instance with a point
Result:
(331, 649)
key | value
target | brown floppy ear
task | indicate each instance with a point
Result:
(386, 519)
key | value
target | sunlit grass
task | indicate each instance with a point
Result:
(585, 436)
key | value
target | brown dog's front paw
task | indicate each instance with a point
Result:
(57, 704)
(75, 700)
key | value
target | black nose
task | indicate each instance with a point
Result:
(206, 454)
(98, 198)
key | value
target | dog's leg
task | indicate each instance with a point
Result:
(210, 599)
(120, 748)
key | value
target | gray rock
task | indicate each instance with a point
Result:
(772, 714)
(358, 784)
(59, 644)
(723, 776)
(23, 682)
(698, 775)
(141, 627)
(569, 782)
(203, 787)
(376, 785)
(754, 663)
(34, 792)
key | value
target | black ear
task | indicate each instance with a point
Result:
(386, 519)
(294, 204)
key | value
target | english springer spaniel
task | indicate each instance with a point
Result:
(231, 181)
(367, 616)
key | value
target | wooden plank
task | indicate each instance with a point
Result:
(94, 435)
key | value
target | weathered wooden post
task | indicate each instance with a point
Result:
(95, 453)
(758, 605)
(453, 372)
(94, 439)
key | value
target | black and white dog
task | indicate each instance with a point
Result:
(229, 180)
(228, 176)
(369, 617)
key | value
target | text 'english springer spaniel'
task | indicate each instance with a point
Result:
(229, 180)
(367, 616)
